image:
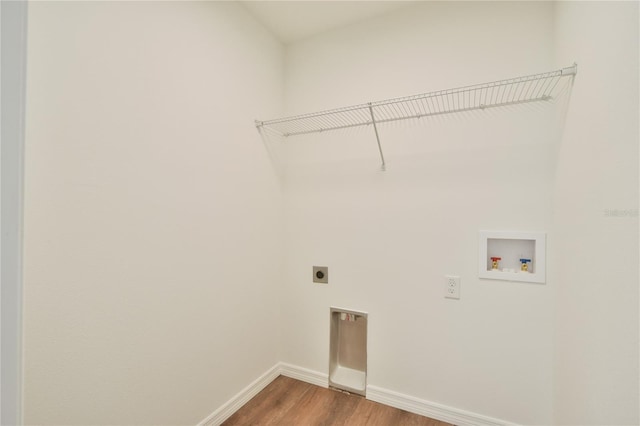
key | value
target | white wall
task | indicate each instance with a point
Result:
(154, 229)
(152, 217)
(390, 237)
(596, 262)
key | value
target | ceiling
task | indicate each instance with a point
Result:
(291, 21)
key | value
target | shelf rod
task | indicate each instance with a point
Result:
(440, 96)
(375, 129)
(430, 114)
(530, 88)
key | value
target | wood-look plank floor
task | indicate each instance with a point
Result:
(286, 401)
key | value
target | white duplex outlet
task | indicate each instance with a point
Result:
(452, 286)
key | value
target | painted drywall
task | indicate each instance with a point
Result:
(389, 238)
(596, 218)
(14, 52)
(153, 228)
(152, 211)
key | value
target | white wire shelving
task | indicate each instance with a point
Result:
(512, 91)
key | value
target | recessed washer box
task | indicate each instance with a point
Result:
(511, 248)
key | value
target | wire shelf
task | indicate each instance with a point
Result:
(530, 88)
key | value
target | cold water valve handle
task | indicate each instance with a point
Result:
(524, 267)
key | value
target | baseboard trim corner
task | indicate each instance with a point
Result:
(431, 409)
(374, 393)
(304, 374)
(226, 410)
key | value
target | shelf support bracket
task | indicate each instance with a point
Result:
(572, 70)
(375, 129)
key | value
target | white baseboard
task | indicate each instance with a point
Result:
(304, 374)
(226, 410)
(431, 409)
(384, 396)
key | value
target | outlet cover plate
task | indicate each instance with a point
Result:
(452, 287)
(321, 274)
